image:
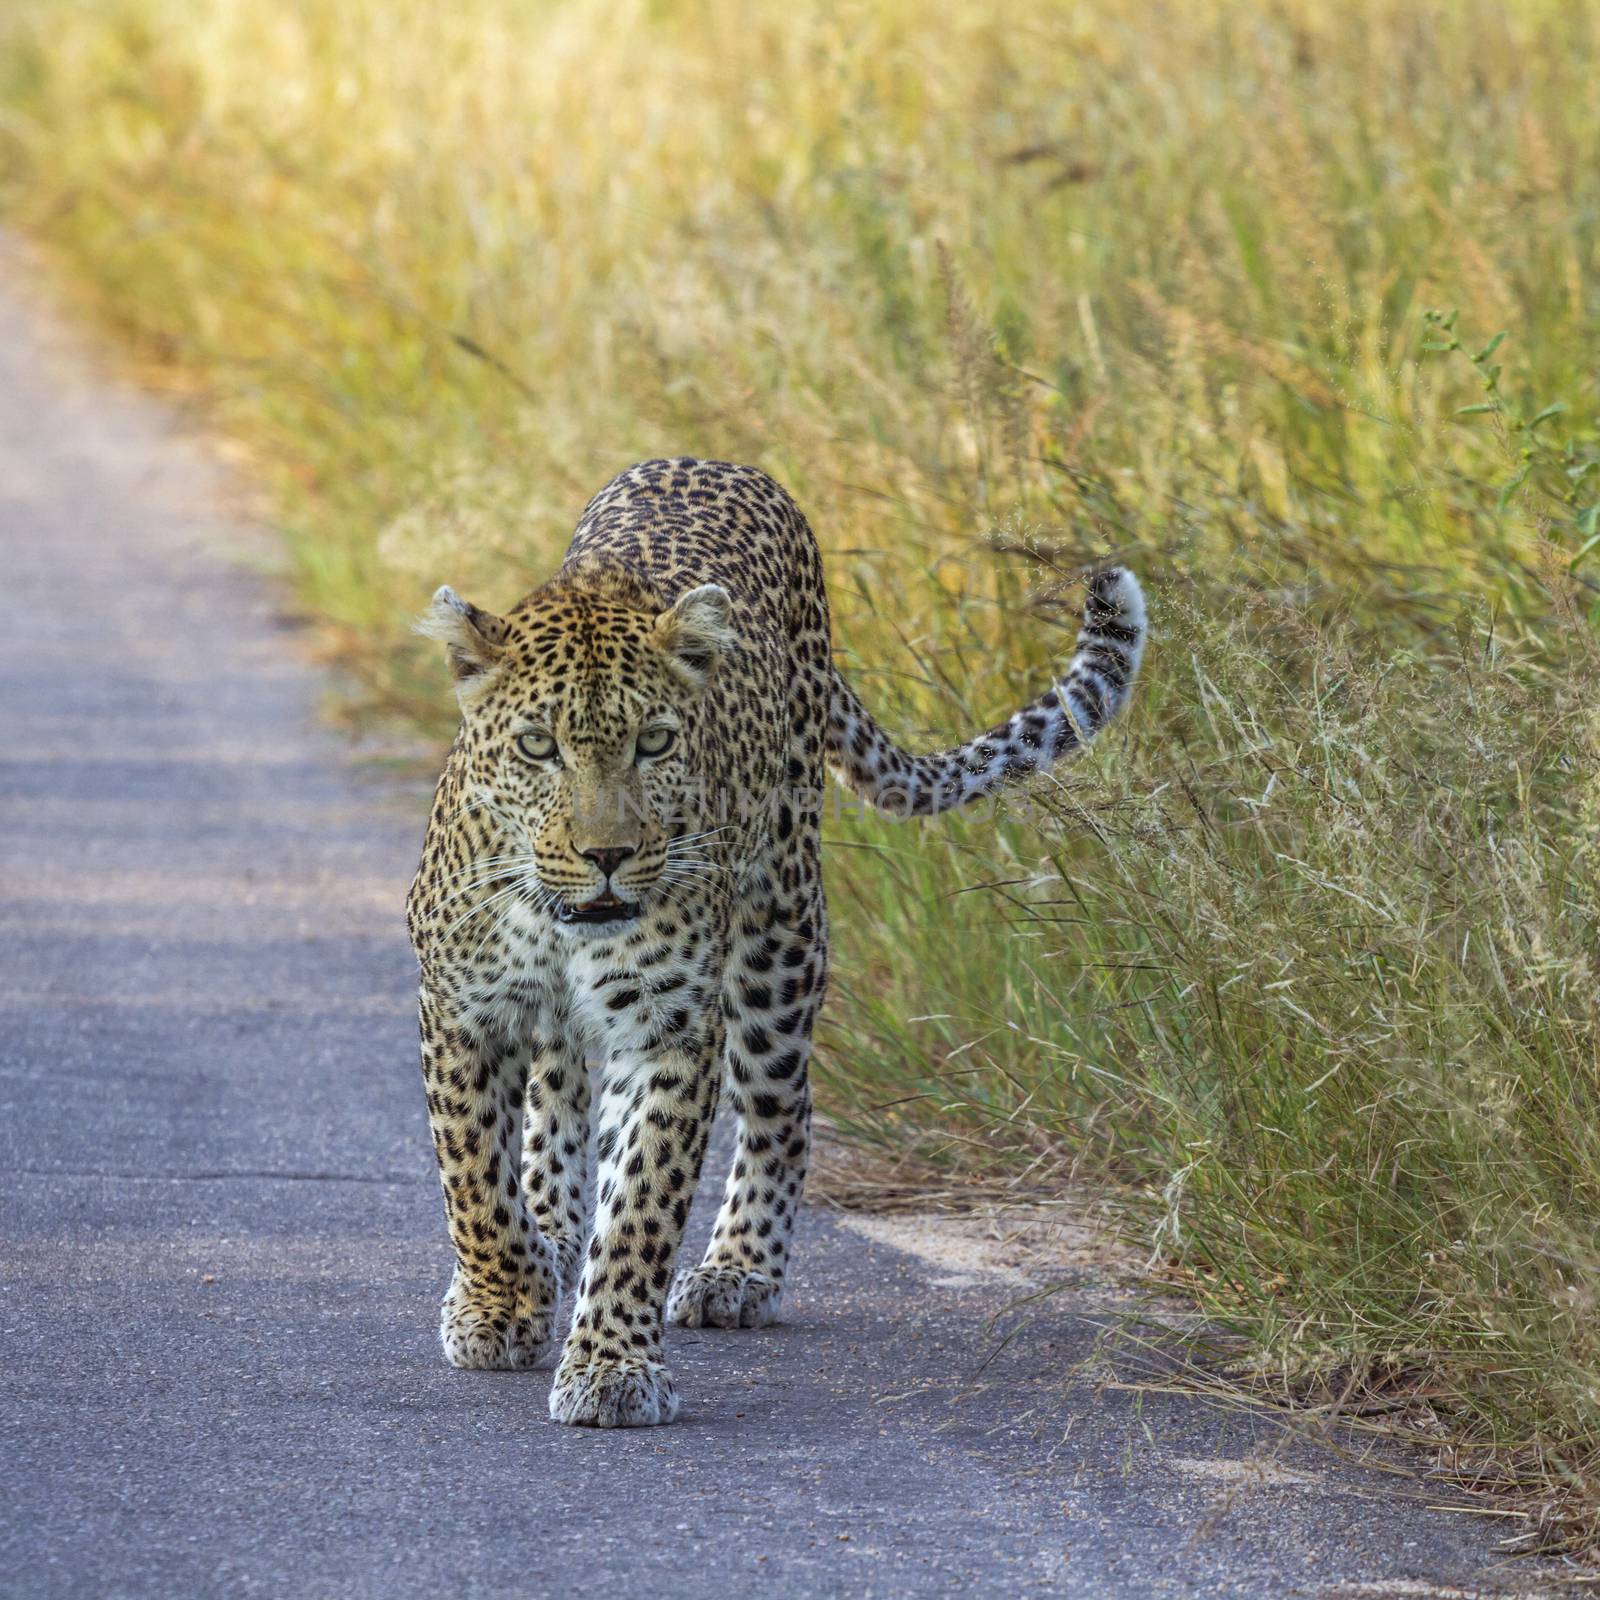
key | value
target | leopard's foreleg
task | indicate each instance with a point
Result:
(501, 1306)
(555, 1146)
(655, 1115)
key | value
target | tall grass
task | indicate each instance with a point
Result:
(1293, 306)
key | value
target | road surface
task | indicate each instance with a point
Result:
(222, 1244)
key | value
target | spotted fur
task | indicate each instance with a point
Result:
(623, 863)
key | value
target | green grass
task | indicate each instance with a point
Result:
(1292, 306)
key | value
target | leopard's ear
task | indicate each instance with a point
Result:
(696, 632)
(473, 639)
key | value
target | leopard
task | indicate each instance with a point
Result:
(619, 918)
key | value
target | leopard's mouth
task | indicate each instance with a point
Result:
(607, 908)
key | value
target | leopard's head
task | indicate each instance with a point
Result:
(580, 733)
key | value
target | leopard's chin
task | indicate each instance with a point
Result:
(607, 911)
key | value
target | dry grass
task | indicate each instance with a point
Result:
(1306, 959)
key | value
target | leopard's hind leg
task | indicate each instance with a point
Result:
(772, 991)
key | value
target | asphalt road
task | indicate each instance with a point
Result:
(222, 1245)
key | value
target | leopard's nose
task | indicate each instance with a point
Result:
(609, 857)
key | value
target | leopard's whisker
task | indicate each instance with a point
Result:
(487, 878)
(478, 910)
(694, 838)
(490, 867)
(696, 856)
(524, 882)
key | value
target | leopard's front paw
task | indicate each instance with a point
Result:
(614, 1392)
(724, 1297)
(497, 1329)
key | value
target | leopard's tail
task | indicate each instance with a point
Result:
(1094, 688)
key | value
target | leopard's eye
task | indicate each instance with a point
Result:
(537, 747)
(655, 741)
